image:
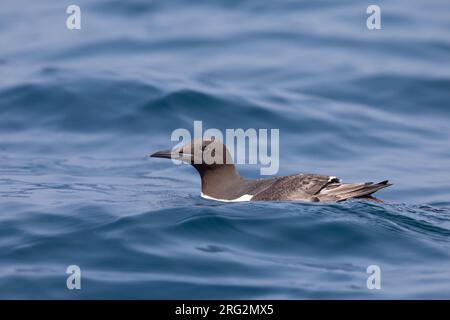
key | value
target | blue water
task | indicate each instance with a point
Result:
(80, 111)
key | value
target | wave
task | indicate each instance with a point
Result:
(81, 110)
(254, 250)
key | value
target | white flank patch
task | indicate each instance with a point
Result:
(332, 178)
(245, 197)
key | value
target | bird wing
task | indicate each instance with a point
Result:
(313, 187)
(344, 191)
(296, 187)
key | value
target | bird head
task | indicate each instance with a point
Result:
(203, 154)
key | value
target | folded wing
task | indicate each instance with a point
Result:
(313, 187)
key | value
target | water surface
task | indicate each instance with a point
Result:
(81, 110)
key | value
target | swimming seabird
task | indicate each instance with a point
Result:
(222, 182)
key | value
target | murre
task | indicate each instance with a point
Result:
(220, 180)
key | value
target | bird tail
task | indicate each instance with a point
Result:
(344, 191)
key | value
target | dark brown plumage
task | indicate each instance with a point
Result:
(223, 182)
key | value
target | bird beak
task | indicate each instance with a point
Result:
(170, 154)
(167, 154)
